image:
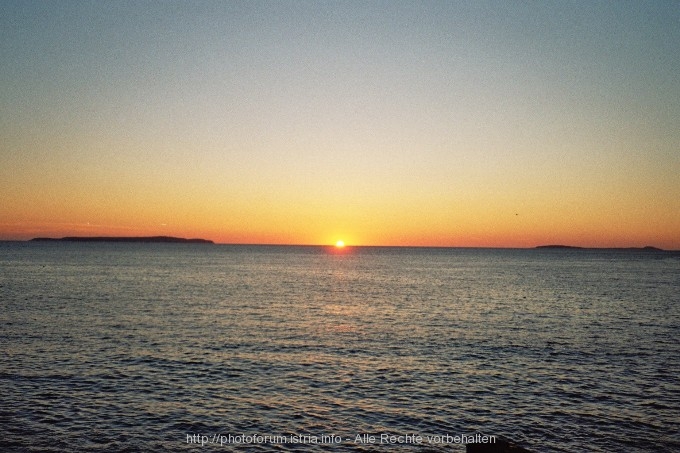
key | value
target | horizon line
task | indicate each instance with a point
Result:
(540, 246)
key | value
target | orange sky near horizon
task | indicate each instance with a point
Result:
(396, 123)
(419, 221)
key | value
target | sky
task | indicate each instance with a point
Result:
(467, 124)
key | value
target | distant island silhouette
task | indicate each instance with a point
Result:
(141, 239)
(558, 247)
(571, 247)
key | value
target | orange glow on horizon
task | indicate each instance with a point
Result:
(411, 219)
(454, 233)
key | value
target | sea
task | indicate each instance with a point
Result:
(115, 347)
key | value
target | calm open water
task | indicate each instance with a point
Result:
(150, 347)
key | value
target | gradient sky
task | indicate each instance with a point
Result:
(507, 124)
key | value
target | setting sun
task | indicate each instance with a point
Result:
(340, 244)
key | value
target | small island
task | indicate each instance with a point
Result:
(557, 246)
(141, 239)
(648, 248)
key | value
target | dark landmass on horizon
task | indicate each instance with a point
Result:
(139, 239)
(558, 247)
(571, 247)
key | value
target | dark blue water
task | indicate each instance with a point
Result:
(162, 347)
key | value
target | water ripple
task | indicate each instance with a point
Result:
(134, 347)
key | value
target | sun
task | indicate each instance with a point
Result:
(340, 244)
